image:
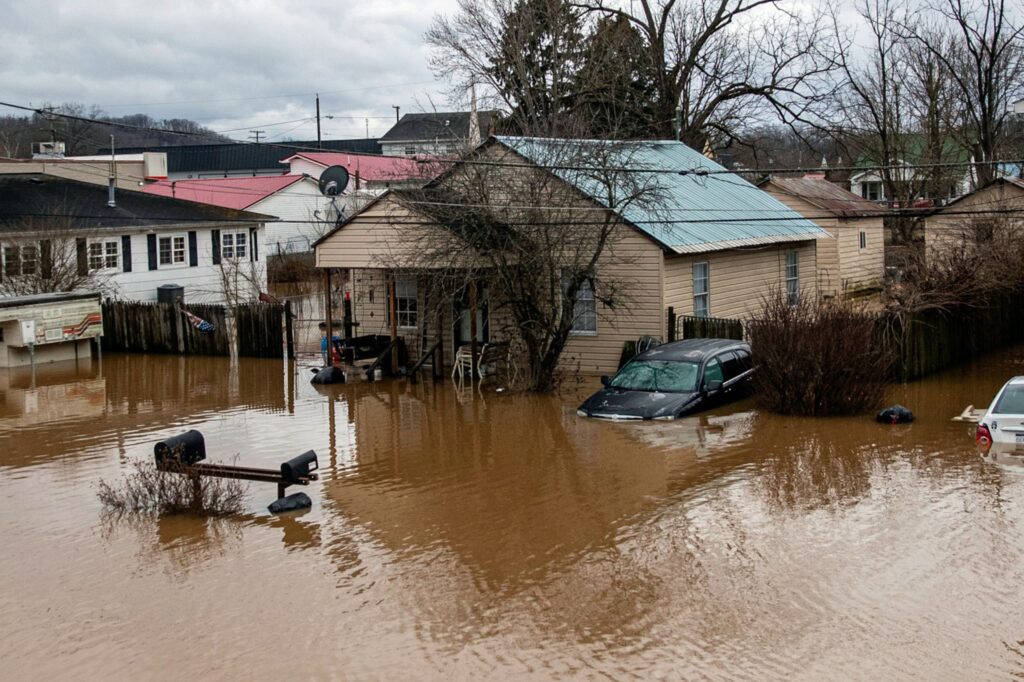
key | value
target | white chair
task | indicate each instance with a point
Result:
(463, 362)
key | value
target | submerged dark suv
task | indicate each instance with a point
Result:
(673, 380)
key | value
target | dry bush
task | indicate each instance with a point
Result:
(148, 490)
(817, 358)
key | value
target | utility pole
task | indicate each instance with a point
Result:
(396, 108)
(318, 145)
(367, 128)
(257, 134)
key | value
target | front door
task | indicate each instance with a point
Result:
(463, 319)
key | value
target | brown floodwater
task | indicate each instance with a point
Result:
(459, 535)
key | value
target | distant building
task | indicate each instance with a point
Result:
(52, 225)
(51, 327)
(365, 171)
(238, 159)
(131, 170)
(437, 133)
(996, 210)
(855, 258)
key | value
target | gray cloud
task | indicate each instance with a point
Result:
(226, 63)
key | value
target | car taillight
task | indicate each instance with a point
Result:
(982, 436)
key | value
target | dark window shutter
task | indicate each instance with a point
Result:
(126, 253)
(151, 248)
(193, 249)
(46, 259)
(81, 250)
(215, 234)
(254, 253)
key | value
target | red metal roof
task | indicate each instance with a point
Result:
(374, 168)
(826, 195)
(237, 193)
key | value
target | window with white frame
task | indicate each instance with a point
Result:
(104, 254)
(410, 150)
(793, 277)
(871, 190)
(701, 289)
(171, 250)
(405, 302)
(584, 310)
(234, 245)
(20, 259)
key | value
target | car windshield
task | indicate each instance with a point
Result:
(1012, 400)
(657, 375)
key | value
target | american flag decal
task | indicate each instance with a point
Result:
(198, 323)
(76, 330)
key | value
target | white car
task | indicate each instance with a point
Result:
(1003, 423)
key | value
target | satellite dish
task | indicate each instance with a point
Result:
(333, 181)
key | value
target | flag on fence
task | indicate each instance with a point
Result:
(199, 323)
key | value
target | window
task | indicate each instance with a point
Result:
(984, 230)
(103, 254)
(863, 239)
(872, 191)
(584, 313)
(171, 250)
(713, 372)
(405, 302)
(657, 375)
(793, 277)
(701, 290)
(731, 365)
(20, 259)
(233, 245)
(410, 150)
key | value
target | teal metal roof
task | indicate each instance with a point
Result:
(688, 210)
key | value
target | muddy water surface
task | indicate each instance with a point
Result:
(459, 535)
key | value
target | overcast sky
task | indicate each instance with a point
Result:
(228, 64)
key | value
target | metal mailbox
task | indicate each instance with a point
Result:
(299, 467)
(187, 448)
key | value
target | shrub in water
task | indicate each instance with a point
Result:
(817, 357)
(150, 490)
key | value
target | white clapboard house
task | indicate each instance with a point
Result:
(56, 230)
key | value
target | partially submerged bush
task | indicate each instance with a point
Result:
(817, 357)
(151, 490)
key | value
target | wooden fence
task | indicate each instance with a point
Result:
(690, 327)
(934, 340)
(137, 327)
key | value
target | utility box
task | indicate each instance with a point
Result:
(170, 293)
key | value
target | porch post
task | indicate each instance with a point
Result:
(472, 326)
(393, 307)
(327, 317)
(438, 362)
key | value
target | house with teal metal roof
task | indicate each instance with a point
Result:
(691, 239)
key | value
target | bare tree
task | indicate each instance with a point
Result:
(983, 55)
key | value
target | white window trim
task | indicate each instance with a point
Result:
(793, 298)
(116, 241)
(235, 234)
(20, 246)
(172, 265)
(593, 299)
(415, 298)
(707, 287)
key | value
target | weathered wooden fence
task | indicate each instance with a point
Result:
(934, 340)
(137, 327)
(690, 327)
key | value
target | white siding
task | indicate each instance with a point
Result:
(296, 206)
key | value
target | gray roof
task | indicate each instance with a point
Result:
(30, 199)
(244, 156)
(442, 125)
(827, 196)
(698, 206)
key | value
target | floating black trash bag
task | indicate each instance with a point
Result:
(897, 414)
(291, 503)
(329, 375)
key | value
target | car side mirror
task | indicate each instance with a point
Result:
(605, 380)
(712, 386)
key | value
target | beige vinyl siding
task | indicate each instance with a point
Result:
(637, 261)
(948, 228)
(827, 260)
(374, 238)
(738, 278)
(860, 268)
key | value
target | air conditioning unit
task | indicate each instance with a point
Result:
(47, 150)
